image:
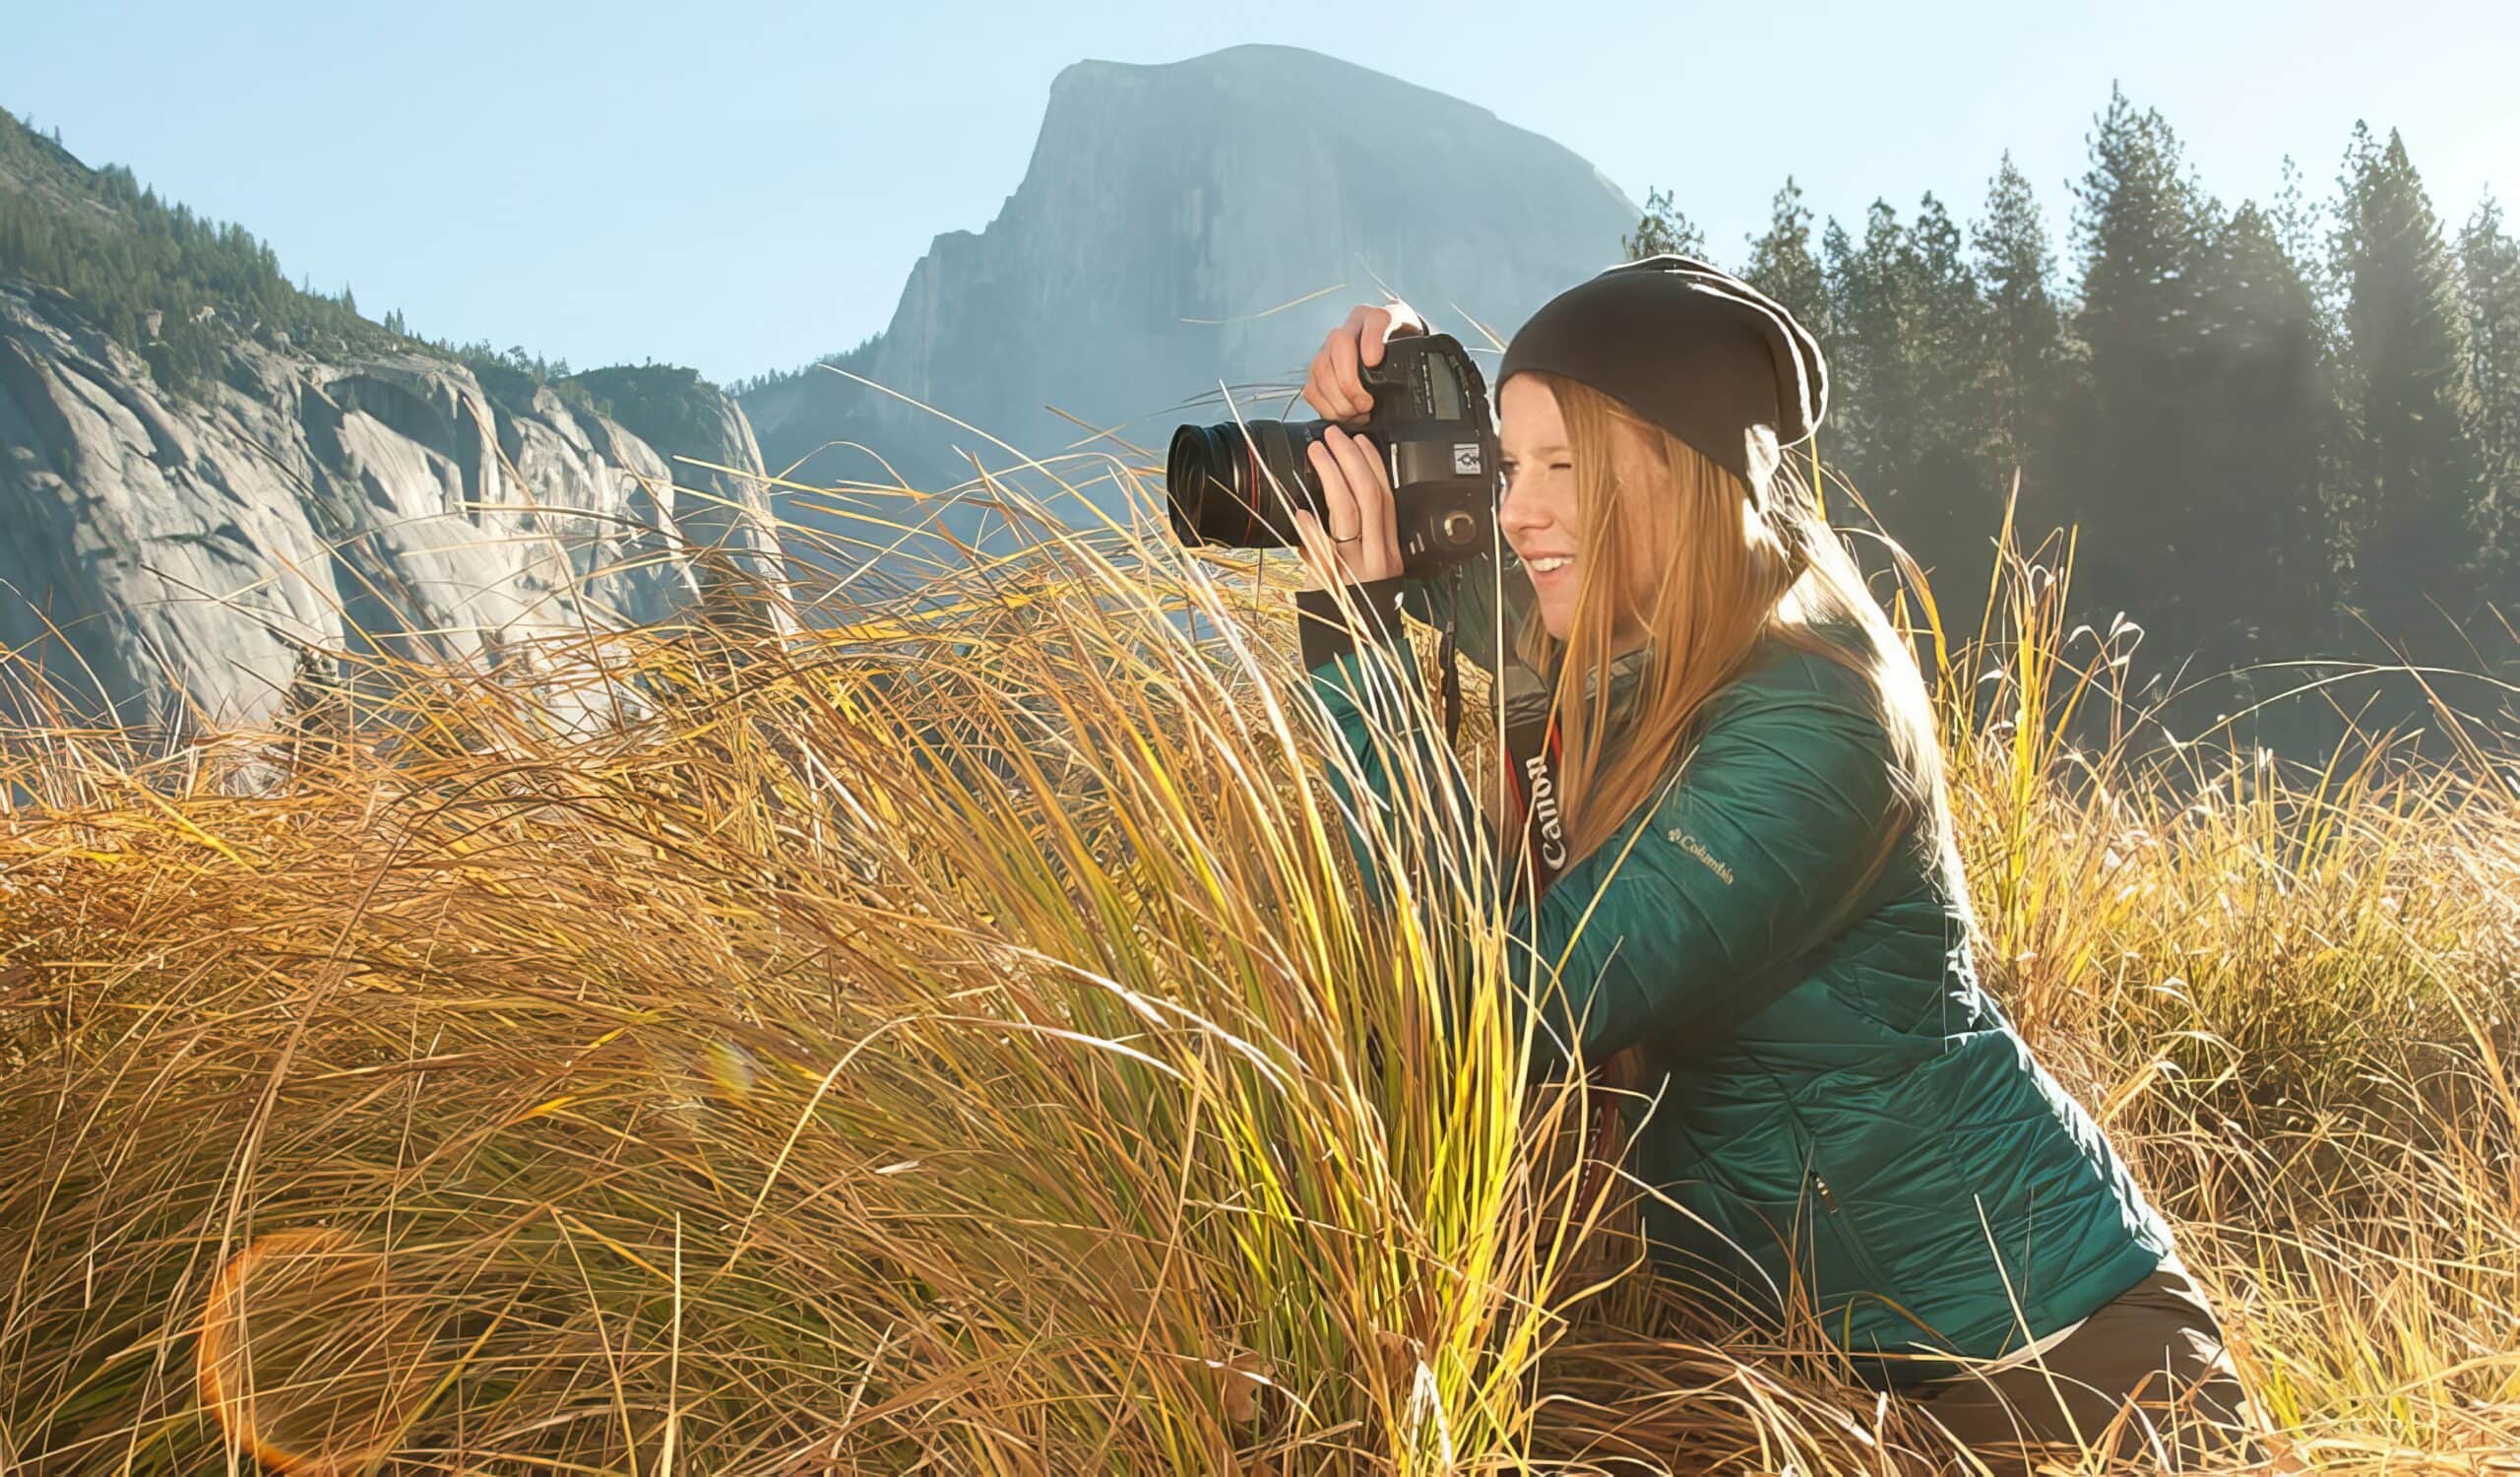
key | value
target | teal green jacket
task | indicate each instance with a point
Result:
(1834, 1099)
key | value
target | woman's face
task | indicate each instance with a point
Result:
(1540, 516)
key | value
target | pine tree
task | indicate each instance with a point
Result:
(132, 258)
(1906, 361)
(1664, 230)
(2140, 222)
(1874, 394)
(313, 720)
(2414, 494)
(1783, 266)
(2489, 296)
(2301, 225)
(2027, 365)
(2256, 571)
(1958, 503)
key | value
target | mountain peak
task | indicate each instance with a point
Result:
(1296, 77)
(1189, 223)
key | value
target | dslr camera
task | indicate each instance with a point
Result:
(1240, 485)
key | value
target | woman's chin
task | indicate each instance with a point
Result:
(1554, 593)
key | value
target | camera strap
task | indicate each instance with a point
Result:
(1529, 729)
(1532, 752)
(1447, 653)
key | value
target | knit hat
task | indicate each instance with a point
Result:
(1690, 348)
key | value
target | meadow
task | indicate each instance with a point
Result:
(953, 1039)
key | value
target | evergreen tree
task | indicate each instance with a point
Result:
(2140, 222)
(2028, 368)
(131, 261)
(1664, 229)
(313, 721)
(2414, 493)
(2489, 295)
(1956, 502)
(1873, 391)
(2257, 573)
(2301, 225)
(1783, 266)
(1907, 358)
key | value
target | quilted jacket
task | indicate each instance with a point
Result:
(1832, 1099)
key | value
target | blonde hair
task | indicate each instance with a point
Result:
(1728, 570)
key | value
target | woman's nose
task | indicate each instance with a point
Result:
(1517, 512)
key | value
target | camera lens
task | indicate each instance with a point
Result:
(1222, 486)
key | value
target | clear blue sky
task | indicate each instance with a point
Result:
(741, 186)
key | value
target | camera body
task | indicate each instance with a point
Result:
(1240, 485)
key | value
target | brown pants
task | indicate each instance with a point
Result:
(2146, 1378)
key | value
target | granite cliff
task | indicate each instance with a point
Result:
(1165, 211)
(188, 505)
(205, 472)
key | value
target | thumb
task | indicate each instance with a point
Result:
(1399, 321)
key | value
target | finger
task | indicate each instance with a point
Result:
(1338, 499)
(1320, 561)
(1383, 534)
(1360, 399)
(1361, 334)
(1359, 464)
(1339, 512)
(1374, 327)
(1346, 389)
(1318, 392)
(1376, 552)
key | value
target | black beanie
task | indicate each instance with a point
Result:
(1690, 348)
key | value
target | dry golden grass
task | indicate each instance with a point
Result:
(956, 1042)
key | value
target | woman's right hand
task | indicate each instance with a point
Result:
(1333, 388)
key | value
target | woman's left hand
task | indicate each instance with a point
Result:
(1361, 543)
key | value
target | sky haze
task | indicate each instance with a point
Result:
(746, 186)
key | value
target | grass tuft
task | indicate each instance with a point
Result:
(948, 1035)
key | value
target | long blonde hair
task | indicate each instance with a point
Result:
(1731, 570)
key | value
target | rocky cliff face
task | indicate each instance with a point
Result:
(165, 558)
(166, 554)
(1165, 211)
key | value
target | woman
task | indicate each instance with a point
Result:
(1754, 817)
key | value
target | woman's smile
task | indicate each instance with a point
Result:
(1540, 513)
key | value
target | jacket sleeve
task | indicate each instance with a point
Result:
(1743, 860)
